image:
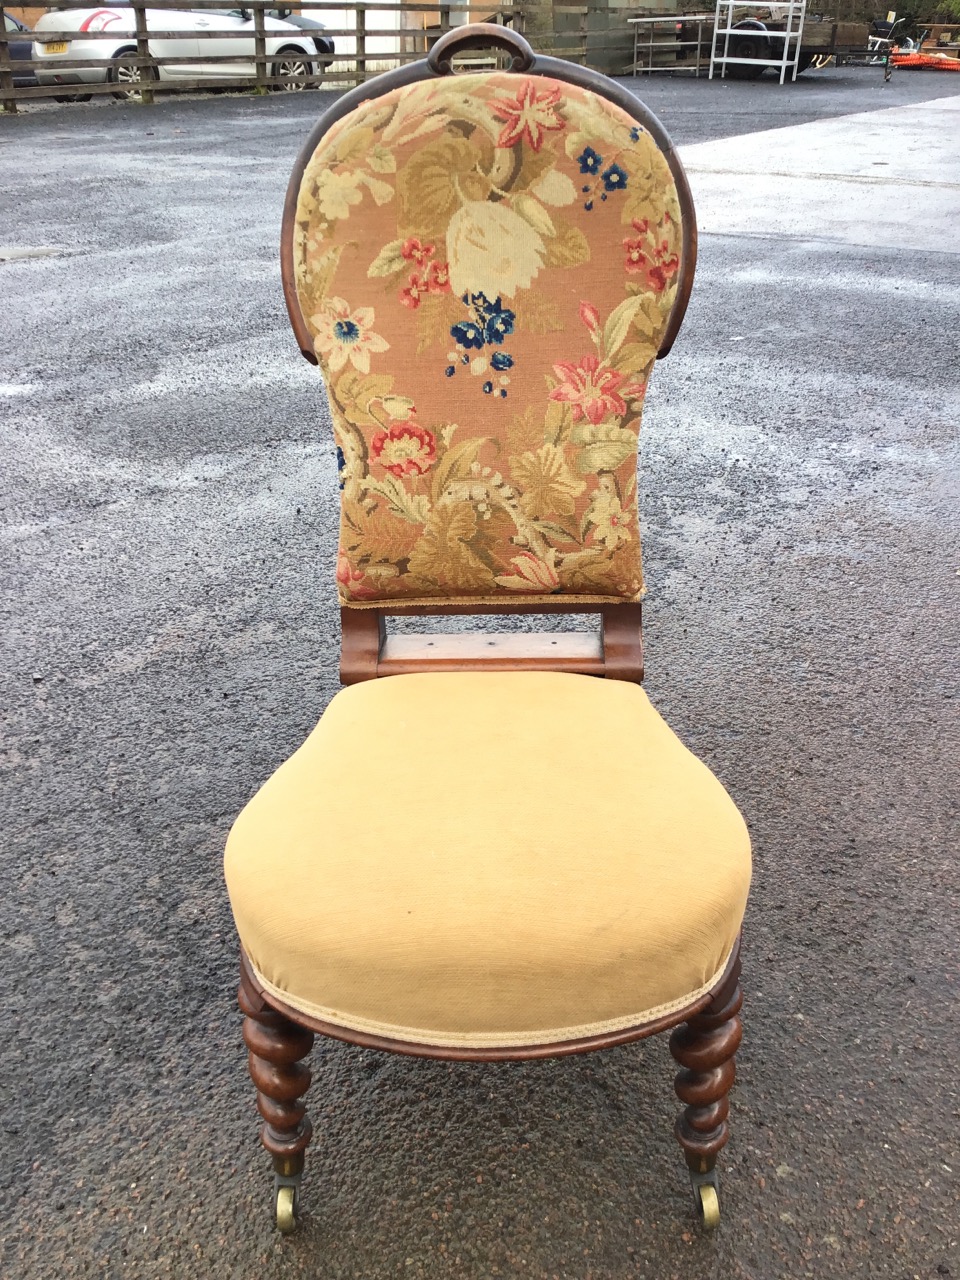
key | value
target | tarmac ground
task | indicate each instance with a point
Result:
(170, 637)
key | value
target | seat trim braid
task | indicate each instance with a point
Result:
(488, 1047)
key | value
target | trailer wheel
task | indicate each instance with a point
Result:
(748, 47)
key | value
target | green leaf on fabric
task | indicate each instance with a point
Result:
(568, 248)
(455, 464)
(603, 457)
(388, 261)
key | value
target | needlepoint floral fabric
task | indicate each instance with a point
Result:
(487, 264)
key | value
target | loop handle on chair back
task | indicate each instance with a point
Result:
(479, 35)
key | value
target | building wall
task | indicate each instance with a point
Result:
(27, 15)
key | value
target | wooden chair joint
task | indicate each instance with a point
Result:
(616, 652)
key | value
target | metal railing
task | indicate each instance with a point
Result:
(372, 37)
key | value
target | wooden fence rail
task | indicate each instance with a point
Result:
(408, 29)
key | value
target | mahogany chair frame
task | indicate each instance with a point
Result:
(705, 1033)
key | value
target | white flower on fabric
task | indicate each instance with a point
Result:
(554, 188)
(336, 192)
(341, 335)
(492, 250)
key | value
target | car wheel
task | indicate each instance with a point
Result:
(291, 70)
(127, 76)
(748, 47)
(73, 97)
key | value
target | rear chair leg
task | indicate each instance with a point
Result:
(704, 1047)
(276, 1044)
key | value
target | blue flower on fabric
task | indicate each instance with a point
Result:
(589, 161)
(491, 324)
(615, 178)
(468, 334)
(499, 323)
(341, 466)
(346, 331)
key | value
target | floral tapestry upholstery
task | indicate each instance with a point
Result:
(486, 264)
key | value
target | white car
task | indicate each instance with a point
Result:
(297, 53)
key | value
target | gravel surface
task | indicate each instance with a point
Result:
(170, 637)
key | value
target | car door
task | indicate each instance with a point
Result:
(234, 50)
(180, 46)
(20, 50)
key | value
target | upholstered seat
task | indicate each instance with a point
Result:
(489, 859)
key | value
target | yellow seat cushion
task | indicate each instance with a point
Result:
(489, 859)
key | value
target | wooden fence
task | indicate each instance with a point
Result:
(407, 29)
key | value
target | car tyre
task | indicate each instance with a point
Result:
(291, 69)
(122, 72)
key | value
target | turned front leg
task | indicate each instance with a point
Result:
(276, 1046)
(705, 1047)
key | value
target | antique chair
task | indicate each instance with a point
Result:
(501, 851)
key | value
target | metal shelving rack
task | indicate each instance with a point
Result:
(659, 43)
(794, 13)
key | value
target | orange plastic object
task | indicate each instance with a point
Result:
(925, 60)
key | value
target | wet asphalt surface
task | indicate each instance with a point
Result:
(170, 637)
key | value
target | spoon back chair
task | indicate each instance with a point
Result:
(501, 851)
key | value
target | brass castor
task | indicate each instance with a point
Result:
(708, 1205)
(287, 1176)
(286, 1208)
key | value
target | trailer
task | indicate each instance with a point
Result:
(743, 40)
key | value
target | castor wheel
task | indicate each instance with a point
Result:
(287, 1176)
(708, 1205)
(286, 1209)
(706, 1196)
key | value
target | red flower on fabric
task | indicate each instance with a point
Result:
(655, 260)
(414, 291)
(346, 574)
(636, 257)
(529, 115)
(416, 252)
(435, 279)
(405, 448)
(351, 580)
(438, 277)
(593, 390)
(660, 275)
(590, 317)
